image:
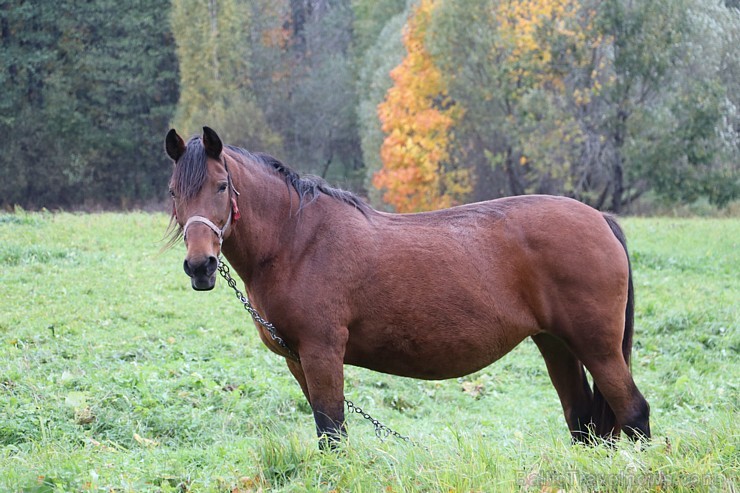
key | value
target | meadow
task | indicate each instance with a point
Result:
(116, 376)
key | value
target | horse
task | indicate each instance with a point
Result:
(430, 295)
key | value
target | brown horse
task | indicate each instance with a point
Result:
(432, 295)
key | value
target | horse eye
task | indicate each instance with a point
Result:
(172, 193)
(222, 187)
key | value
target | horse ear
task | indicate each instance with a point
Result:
(212, 143)
(174, 145)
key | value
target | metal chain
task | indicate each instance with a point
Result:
(381, 430)
(224, 270)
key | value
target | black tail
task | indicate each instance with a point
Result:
(603, 415)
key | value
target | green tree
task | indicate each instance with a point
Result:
(648, 40)
(90, 87)
(370, 18)
(468, 46)
(28, 56)
(665, 101)
(699, 150)
(214, 54)
(373, 83)
(600, 100)
(306, 84)
(376, 49)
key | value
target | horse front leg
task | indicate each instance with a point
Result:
(322, 370)
(297, 371)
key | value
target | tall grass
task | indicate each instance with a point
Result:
(116, 376)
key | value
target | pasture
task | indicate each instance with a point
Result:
(116, 376)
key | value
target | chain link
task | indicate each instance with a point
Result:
(381, 430)
(224, 270)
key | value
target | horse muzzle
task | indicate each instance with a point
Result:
(202, 272)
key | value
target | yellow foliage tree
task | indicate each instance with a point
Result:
(543, 42)
(417, 117)
(527, 29)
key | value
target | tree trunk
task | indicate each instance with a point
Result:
(618, 165)
(618, 183)
(515, 183)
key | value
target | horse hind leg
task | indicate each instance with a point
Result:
(569, 379)
(618, 404)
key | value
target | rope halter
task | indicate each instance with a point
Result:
(200, 219)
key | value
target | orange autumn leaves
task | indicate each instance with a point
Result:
(417, 117)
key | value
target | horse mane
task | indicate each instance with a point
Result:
(190, 174)
(308, 187)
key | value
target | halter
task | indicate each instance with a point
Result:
(234, 213)
(219, 232)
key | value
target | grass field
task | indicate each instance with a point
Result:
(116, 376)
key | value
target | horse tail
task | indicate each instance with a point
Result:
(629, 319)
(603, 415)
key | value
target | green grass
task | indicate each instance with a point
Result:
(116, 376)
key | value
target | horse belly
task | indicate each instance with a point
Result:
(447, 315)
(432, 352)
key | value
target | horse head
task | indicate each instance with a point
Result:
(204, 204)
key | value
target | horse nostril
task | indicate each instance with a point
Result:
(212, 264)
(187, 269)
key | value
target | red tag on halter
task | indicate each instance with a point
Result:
(235, 210)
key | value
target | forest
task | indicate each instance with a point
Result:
(415, 105)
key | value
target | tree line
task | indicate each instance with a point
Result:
(414, 104)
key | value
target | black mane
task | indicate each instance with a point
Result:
(308, 187)
(190, 174)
